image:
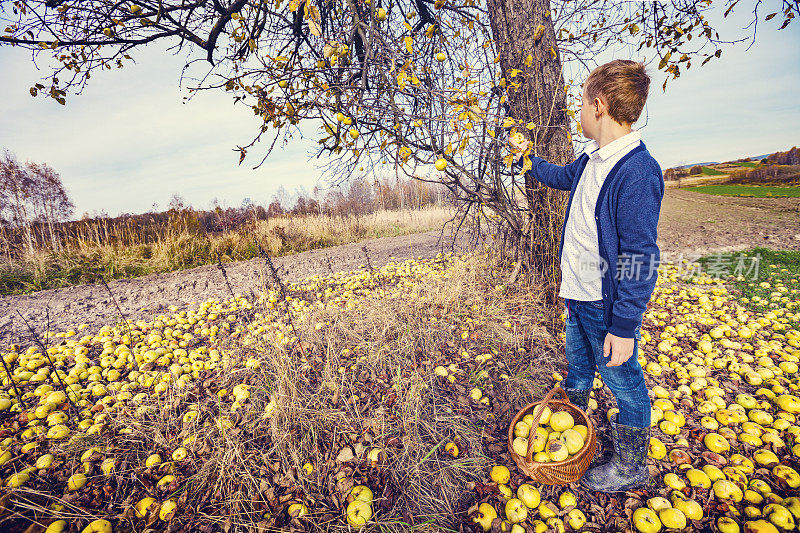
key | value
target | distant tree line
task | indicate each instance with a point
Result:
(35, 210)
(789, 157)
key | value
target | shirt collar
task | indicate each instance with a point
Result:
(614, 147)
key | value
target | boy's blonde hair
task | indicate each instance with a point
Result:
(623, 84)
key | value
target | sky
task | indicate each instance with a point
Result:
(130, 140)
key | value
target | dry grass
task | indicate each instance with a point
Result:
(84, 261)
(360, 377)
(364, 380)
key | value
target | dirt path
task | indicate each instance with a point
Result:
(153, 294)
(691, 224)
(695, 224)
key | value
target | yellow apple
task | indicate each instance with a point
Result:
(485, 516)
(646, 521)
(556, 451)
(520, 446)
(725, 489)
(657, 450)
(658, 503)
(716, 443)
(698, 478)
(561, 421)
(516, 511)
(362, 493)
(521, 429)
(572, 440)
(500, 474)
(727, 525)
(76, 481)
(143, 506)
(690, 508)
(167, 510)
(297, 509)
(779, 516)
(672, 518)
(529, 495)
(359, 513)
(567, 499)
(98, 526)
(759, 526)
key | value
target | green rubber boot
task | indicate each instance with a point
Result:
(578, 398)
(627, 469)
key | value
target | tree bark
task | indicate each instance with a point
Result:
(523, 28)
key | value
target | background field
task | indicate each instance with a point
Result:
(760, 191)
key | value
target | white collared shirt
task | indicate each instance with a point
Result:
(581, 273)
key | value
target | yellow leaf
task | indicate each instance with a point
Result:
(530, 125)
(409, 44)
(528, 61)
(293, 5)
(508, 160)
(314, 28)
(449, 149)
(508, 122)
(491, 133)
(527, 164)
(553, 52)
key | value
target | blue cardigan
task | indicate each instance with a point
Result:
(626, 213)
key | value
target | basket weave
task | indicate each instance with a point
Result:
(561, 472)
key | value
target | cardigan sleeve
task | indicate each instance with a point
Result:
(554, 176)
(638, 209)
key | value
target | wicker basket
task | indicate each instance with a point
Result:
(562, 472)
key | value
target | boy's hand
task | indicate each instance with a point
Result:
(519, 144)
(620, 348)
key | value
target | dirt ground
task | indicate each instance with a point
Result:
(691, 224)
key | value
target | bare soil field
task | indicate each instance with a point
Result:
(691, 224)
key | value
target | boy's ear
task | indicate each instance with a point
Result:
(599, 107)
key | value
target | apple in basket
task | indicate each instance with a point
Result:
(555, 438)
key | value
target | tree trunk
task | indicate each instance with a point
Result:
(522, 28)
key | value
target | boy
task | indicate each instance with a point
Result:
(609, 260)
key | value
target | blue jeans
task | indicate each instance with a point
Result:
(586, 333)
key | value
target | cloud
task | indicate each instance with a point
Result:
(130, 139)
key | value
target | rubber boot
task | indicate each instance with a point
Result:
(627, 469)
(578, 398)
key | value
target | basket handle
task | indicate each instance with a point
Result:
(539, 410)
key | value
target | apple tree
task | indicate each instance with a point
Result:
(425, 88)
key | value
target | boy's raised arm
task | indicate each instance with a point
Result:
(554, 176)
(637, 265)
